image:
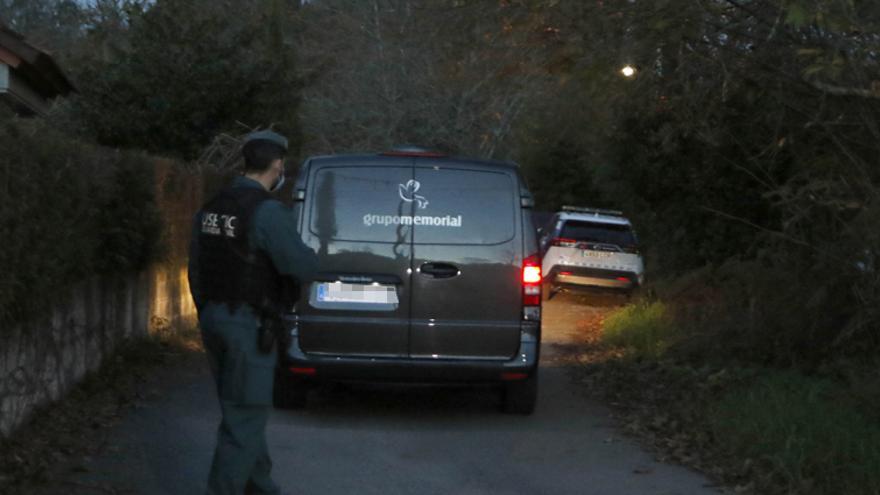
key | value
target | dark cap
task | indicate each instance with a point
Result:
(272, 137)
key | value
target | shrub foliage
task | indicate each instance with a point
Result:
(68, 211)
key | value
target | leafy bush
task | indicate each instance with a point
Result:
(67, 211)
(794, 428)
(775, 312)
(646, 329)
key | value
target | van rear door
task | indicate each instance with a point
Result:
(359, 304)
(467, 258)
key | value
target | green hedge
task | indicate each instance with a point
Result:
(68, 211)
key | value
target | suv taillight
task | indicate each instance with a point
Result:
(531, 282)
(563, 242)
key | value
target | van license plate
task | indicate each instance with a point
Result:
(356, 293)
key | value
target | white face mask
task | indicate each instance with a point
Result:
(279, 181)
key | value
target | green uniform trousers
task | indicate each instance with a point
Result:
(244, 379)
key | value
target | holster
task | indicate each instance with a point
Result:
(271, 330)
(265, 333)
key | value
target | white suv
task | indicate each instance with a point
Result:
(590, 247)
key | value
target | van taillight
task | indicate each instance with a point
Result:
(531, 274)
(531, 281)
(563, 242)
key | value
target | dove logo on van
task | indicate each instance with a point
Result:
(408, 193)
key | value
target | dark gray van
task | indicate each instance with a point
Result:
(429, 273)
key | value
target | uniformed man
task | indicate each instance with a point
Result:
(245, 245)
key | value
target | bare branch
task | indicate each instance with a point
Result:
(774, 233)
(831, 89)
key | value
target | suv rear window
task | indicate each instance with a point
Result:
(606, 233)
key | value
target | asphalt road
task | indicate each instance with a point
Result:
(391, 440)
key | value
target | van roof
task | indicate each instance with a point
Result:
(380, 159)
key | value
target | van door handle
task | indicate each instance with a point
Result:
(440, 270)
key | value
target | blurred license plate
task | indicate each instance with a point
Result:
(596, 254)
(357, 293)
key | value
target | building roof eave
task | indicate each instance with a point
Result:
(33, 64)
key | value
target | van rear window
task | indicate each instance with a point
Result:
(482, 205)
(346, 199)
(434, 206)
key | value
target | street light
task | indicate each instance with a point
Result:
(628, 71)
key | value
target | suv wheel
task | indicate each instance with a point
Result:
(289, 393)
(521, 397)
(549, 291)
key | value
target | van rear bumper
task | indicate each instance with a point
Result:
(406, 370)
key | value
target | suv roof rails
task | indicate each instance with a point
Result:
(591, 211)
